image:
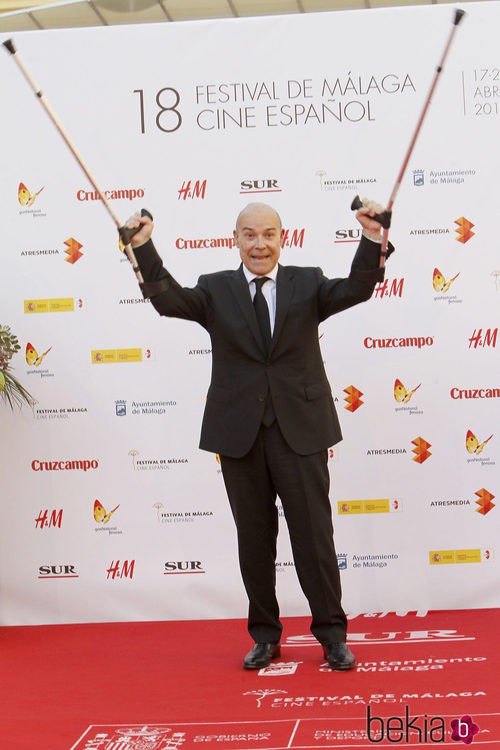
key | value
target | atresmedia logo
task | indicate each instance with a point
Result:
(413, 730)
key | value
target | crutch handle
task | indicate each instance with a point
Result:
(126, 234)
(384, 219)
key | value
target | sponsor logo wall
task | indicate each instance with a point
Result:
(109, 509)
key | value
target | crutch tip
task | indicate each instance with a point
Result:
(10, 46)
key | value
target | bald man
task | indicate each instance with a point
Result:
(269, 411)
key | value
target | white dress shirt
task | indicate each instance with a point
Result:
(268, 290)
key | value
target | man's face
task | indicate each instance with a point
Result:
(258, 237)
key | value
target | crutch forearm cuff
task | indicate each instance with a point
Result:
(152, 288)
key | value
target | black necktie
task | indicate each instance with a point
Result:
(262, 312)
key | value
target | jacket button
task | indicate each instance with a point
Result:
(261, 398)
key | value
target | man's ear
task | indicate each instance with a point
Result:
(235, 237)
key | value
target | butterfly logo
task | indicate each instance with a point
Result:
(24, 196)
(473, 445)
(401, 395)
(32, 356)
(100, 514)
(439, 282)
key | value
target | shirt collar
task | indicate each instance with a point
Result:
(251, 276)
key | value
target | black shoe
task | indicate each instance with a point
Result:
(261, 655)
(339, 656)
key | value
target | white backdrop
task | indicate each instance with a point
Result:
(194, 120)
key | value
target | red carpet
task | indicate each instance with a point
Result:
(154, 686)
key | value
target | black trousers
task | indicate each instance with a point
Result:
(253, 482)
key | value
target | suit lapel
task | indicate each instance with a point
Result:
(239, 287)
(284, 291)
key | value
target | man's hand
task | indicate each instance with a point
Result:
(144, 234)
(371, 229)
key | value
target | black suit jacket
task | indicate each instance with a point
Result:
(241, 371)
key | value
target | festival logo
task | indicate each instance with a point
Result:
(282, 566)
(342, 182)
(61, 412)
(72, 250)
(484, 502)
(352, 398)
(176, 517)
(154, 464)
(261, 694)
(421, 450)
